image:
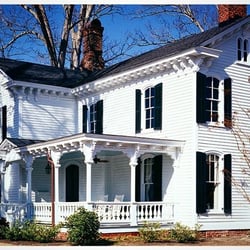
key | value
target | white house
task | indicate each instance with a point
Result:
(148, 139)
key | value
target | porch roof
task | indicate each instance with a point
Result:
(102, 142)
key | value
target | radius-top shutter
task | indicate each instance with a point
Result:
(228, 103)
(227, 184)
(201, 113)
(84, 118)
(137, 111)
(99, 117)
(157, 178)
(201, 187)
(158, 107)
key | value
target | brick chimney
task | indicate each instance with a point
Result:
(230, 12)
(92, 46)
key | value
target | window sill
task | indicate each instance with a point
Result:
(215, 212)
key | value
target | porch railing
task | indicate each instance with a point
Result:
(108, 212)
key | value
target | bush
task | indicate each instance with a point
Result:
(182, 233)
(31, 231)
(83, 227)
(150, 232)
(4, 225)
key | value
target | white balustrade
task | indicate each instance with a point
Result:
(108, 212)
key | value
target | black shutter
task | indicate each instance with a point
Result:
(84, 118)
(201, 186)
(157, 178)
(99, 117)
(138, 181)
(137, 111)
(201, 113)
(158, 107)
(227, 184)
(228, 103)
(4, 122)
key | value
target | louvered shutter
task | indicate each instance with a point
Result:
(157, 178)
(201, 187)
(158, 107)
(227, 184)
(138, 181)
(201, 113)
(84, 118)
(228, 103)
(4, 122)
(137, 111)
(99, 117)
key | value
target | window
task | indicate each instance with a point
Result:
(93, 118)
(213, 183)
(213, 101)
(92, 121)
(152, 106)
(242, 49)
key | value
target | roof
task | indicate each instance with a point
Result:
(30, 72)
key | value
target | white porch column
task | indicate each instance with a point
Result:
(3, 170)
(88, 151)
(28, 161)
(133, 154)
(55, 156)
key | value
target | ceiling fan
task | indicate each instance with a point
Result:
(96, 160)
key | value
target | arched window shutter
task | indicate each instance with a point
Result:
(99, 117)
(158, 107)
(138, 181)
(201, 177)
(137, 111)
(201, 115)
(84, 118)
(228, 103)
(227, 184)
(157, 177)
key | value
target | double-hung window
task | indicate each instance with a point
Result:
(92, 118)
(148, 108)
(213, 183)
(214, 100)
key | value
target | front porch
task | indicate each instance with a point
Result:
(110, 214)
(83, 170)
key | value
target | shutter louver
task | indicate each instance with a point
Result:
(201, 114)
(158, 107)
(228, 103)
(201, 176)
(84, 118)
(99, 117)
(227, 184)
(137, 111)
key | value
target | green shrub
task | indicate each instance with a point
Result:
(4, 226)
(31, 231)
(150, 232)
(182, 233)
(83, 227)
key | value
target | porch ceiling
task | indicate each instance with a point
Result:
(102, 142)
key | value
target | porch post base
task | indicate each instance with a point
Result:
(133, 215)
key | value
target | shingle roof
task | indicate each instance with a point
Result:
(36, 73)
(23, 142)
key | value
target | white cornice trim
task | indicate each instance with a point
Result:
(189, 59)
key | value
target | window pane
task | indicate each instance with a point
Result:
(147, 103)
(216, 94)
(215, 83)
(147, 93)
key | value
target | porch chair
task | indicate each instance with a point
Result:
(116, 210)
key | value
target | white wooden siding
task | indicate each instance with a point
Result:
(48, 117)
(222, 140)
